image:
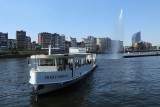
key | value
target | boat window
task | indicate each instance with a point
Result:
(70, 60)
(77, 63)
(59, 61)
(46, 62)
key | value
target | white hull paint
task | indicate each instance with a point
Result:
(55, 86)
(55, 71)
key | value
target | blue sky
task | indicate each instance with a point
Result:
(81, 18)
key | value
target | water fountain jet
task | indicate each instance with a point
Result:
(119, 34)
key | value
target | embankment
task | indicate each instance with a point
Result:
(15, 56)
(143, 55)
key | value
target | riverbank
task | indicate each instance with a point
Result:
(23, 54)
(140, 55)
(18, 54)
(15, 56)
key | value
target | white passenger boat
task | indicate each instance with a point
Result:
(55, 71)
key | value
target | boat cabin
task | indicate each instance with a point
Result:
(61, 62)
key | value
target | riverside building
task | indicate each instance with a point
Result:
(117, 46)
(12, 44)
(136, 37)
(21, 38)
(73, 41)
(3, 41)
(90, 43)
(28, 43)
(55, 40)
(101, 44)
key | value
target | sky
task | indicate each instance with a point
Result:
(82, 18)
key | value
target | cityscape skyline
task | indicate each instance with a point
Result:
(57, 41)
(79, 19)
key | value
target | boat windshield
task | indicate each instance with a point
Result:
(46, 62)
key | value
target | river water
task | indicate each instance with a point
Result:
(116, 82)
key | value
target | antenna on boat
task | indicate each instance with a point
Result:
(49, 51)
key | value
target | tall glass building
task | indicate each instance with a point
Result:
(136, 37)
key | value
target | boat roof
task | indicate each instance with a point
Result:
(59, 56)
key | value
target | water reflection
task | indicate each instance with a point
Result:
(14, 77)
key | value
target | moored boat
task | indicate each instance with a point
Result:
(55, 71)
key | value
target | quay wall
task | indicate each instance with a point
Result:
(143, 55)
(15, 56)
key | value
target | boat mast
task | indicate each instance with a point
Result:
(35, 62)
(73, 67)
(49, 51)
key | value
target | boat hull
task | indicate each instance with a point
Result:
(46, 88)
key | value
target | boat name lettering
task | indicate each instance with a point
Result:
(55, 76)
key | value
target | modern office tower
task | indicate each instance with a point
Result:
(136, 37)
(3, 41)
(12, 44)
(21, 38)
